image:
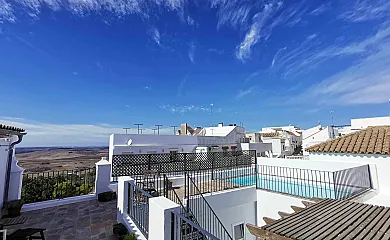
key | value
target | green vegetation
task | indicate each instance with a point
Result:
(130, 236)
(47, 186)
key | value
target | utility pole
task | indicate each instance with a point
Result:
(174, 129)
(126, 128)
(211, 114)
(158, 128)
(154, 131)
(331, 113)
(138, 124)
(142, 130)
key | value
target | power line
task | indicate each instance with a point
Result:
(138, 124)
(158, 128)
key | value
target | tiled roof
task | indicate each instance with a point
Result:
(372, 140)
(11, 128)
(330, 219)
(271, 134)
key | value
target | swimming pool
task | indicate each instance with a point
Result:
(298, 188)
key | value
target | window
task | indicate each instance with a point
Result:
(238, 231)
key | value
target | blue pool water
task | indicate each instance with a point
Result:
(290, 187)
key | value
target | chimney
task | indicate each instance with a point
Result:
(220, 124)
(183, 129)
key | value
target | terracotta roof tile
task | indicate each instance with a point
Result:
(11, 128)
(372, 140)
(271, 134)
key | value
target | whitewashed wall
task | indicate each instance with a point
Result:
(269, 203)
(234, 206)
(4, 145)
(315, 163)
(379, 166)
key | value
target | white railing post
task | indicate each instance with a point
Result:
(103, 176)
(123, 198)
(160, 218)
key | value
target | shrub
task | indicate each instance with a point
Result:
(130, 236)
(119, 230)
(64, 189)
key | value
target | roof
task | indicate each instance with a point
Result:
(269, 134)
(372, 140)
(330, 219)
(11, 128)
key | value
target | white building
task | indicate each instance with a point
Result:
(362, 123)
(220, 138)
(368, 146)
(316, 135)
(285, 140)
(9, 171)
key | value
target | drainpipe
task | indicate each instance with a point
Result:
(9, 162)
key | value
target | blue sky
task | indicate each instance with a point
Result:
(71, 72)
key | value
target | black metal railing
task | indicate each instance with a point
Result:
(138, 208)
(205, 216)
(295, 181)
(183, 228)
(309, 183)
(352, 181)
(43, 186)
(137, 164)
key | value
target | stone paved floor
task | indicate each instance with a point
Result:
(84, 220)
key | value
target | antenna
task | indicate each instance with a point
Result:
(138, 124)
(142, 130)
(158, 128)
(174, 129)
(154, 131)
(126, 128)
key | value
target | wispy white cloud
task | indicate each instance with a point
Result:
(181, 86)
(243, 93)
(155, 35)
(190, 21)
(276, 56)
(191, 52)
(184, 108)
(234, 13)
(367, 82)
(48, 134)
(271, 15)
(357, 10)
(312, 52)
(214, 50)
(256, 31)
(6, 12)
(321, 9)
(75, 73)
(148, 88)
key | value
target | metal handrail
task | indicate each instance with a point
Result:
(199, 228)
(141, 190)
(208, 205)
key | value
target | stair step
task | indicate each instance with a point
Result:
(316, 199)
(268, 220)
(283, 214)
(307, 203)
(296, 209)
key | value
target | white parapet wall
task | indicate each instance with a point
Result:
(270, 203)
(160, 217)
(235, 207)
